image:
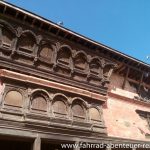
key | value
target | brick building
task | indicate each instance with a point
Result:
(58, 86)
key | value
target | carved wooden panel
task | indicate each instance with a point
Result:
(26, 42)
(59, 107)
(95, 67)
(14, 98)
(80, 61)
(46, 57)
(78, 112)
(106, 70)
(64, 56)
(39, 103)
(94, 114)
(7, 38)
(46, 52)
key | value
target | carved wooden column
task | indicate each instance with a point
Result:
(37, 143)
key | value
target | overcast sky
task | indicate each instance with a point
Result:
(121, 24)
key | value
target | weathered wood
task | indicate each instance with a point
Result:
(37, 143)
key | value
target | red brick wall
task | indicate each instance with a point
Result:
(122, 120)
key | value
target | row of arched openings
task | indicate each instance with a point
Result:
(58, 105)
(28, 42)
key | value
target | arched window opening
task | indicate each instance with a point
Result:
(14, 98)
(64, 56)
(80, 61)
(7, 38)
(59, 106)
(39, 103)
(94, 115)
(26, 43)
(78, 111)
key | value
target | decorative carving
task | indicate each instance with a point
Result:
(60, 106)
(38, 106)
(95, 67)
(46, 52)
(64, 56)
(95, 114)
(54, 61)
(39, 101)
(80, 61)
(7, 35)
(78, 110)
(13, 98)
(27, 42)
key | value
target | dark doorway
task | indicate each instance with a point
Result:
(54, 146)
(12, 144)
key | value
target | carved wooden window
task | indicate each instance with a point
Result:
(7, 38)
(26, 42)
(78, 112)
(14, 98)
(59, 106)
(39, 103)
(107, 71)
(80, 61)
(95, 67)
(64, 56)
(46, 52)
(94, 114)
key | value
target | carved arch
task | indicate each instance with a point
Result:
(107, 70)
(95, 66)
(64, 55)
(13, 97)
(79, 109)
(95, 114)
(7, 35)
(27, 41)
(60, 105)
(46, 51)
(39, 100)
(81, 60)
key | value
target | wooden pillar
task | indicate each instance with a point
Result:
(37, 143)
(126, 77)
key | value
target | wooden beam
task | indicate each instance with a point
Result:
(137, 82)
